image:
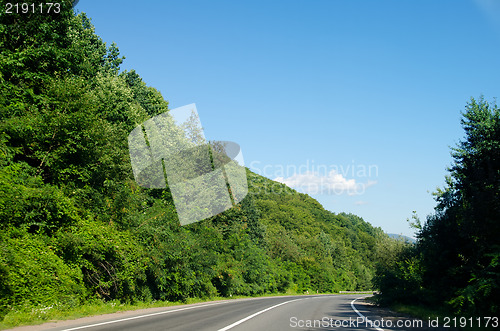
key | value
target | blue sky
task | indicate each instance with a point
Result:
(319, 88)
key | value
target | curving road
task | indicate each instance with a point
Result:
(315, 312)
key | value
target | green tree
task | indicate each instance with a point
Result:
(456, 260)
(466, 225)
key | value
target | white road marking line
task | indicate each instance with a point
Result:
(361, 315)
(253, 315)
(142, 316)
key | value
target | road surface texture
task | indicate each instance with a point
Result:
(315, 312)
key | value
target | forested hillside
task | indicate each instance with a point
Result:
(74, 225)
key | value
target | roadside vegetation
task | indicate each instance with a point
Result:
(76, 231)
(455, 264)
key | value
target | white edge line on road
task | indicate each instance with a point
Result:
(362, 316)
(253, 315)
(142, 316)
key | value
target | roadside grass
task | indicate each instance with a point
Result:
(416, 311)
(39, 315)
(420, 312)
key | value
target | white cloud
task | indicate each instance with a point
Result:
(360, 203)
(333, 183)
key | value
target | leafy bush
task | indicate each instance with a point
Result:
(33, 275)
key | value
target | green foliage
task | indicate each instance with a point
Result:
(323, 251)
(399, 272)
(147, 97)
(112, 262)
(74, 225)
(33, 275)
(26, 202)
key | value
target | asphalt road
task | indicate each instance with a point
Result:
(321, 312)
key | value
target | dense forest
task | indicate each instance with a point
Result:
(455, 263)
(75, 226)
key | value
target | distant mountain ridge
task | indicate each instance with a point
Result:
(402, 237)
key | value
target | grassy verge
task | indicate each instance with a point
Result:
(39, 315)
(420, 312)
(415, 311)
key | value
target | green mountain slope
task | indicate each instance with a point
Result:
(74, 225)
